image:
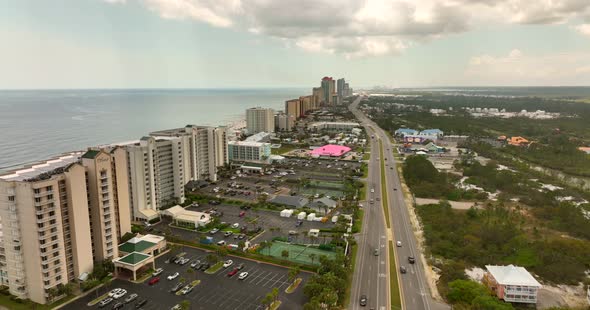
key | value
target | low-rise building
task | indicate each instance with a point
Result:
(333, 126)
(247, 151)
(293, 201)
(511, 283)
(182, 217)
(330, 150)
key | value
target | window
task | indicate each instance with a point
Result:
(10, 198)
(36, 191)
(54, 246)
(37, 199)
(58, 278)
(49, 188)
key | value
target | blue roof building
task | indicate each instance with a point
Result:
(431, 132)
(406, 131)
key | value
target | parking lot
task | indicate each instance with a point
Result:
(270, 221)
(216, 291)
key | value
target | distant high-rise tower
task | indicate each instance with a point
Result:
(259, 120)
(328, 89)
(340, 90)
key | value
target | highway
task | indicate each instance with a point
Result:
(370, 276)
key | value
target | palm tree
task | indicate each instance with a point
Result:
(293, 272)
(185, 305)
(285, 254)
(192, 274)
(312, 256)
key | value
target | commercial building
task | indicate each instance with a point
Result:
(187, 218)
(138, 254)
(333, 126)
(330, 150)
(512, 284)
(284, 122)
(249, 151)
(207, 149)
(260, 119)
(59, 217)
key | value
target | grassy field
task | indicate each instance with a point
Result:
(384, 187)
(26, 305)
(396, 301)
(285, 148)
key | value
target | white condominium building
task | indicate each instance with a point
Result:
(249, 151)
(260, 119)
(59, 217)
(207, 149)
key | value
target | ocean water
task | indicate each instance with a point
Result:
(37, 124)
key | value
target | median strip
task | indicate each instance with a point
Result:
(396, 302)
(384, 201)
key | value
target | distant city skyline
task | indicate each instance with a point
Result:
(258, 44)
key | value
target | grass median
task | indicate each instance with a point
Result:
(215, 268)
(396, 302)
(384, 201)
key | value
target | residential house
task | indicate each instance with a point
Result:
(512, 283)
(518, 141)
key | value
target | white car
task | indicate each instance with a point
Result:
(398, 243)
(372, 190)
(173, 276)
(243, 275)
(115, 291)
(228, 263)
(187, 289)
(119, 294)
(157, 272)
(221, 242)
(235, 225)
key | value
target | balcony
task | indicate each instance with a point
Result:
(49, 243)
(104, 176)
(47, 218)
(42, 194)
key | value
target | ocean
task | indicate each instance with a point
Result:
(38, 124)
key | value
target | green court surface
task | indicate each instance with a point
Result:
(297, 253)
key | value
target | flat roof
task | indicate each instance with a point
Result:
(133, 258)
(248, 143)
(512, 275)
(47, 166)
(331, 150)
(135, 245)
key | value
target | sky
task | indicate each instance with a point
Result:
(67, 44)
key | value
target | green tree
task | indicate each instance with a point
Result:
(285, 254)
(465, 291)
(212, 259)
(312, 256)
(192, 274)
(293, 273)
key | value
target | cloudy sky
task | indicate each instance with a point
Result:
(292, 43)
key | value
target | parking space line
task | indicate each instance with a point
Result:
(269, 280)
(278, 280)
(265, 277)
(228, 298)
(259, 276)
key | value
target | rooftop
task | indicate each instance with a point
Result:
(330, 150)
(295, 201)
(135, 245)
(512, 275)
(91, 154)
(248, 143)
(43, 170)
(133, 258)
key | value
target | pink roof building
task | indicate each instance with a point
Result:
(331, 150)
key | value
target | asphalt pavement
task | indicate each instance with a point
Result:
(413, 285)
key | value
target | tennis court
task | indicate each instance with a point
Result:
(298, 253)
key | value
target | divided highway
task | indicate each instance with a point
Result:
(371, 272)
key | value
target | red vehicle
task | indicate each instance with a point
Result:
(154, 281)
(233, 272)
(242, 213)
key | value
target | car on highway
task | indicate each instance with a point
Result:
(411, 259)
(105, 302)
(157, 272)
(398, 243)
(378, 199)
(363, 300)
(376, 252)
(228, 263)
(233, 272)
(372, 190)
(371, 202)
(173, 276)
(154, 281)
(243, 275)
(394, 189)
(403, 269)
(130, 298)
(213, 231)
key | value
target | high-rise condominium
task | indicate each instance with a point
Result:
(259, 120)
(59, 217)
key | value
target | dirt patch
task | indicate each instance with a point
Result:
(458, 205)
(561, 295)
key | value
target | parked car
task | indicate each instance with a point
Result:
(154, 281)
(176, 287)
(235, 225)
(213, 231)
(173, 276)
(299, 223)
(233, 272)
(243, 275)
(176, 307)
(157, 272)
(118, 305)
(105, 302)
(221, 242)
(195, 263)
(130, 298)
(240, 266)
(363, 300)
(114, 291)
(187, 289)
(119, 294)
(228, 263)
(184, 261)
(242, 214)
(214, 202)
(205, 266)
(140, 303)
(241, 236)
(411, 259)
(228, 233)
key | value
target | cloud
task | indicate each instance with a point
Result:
(570, 68)
(583, 29)
(356, 28)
